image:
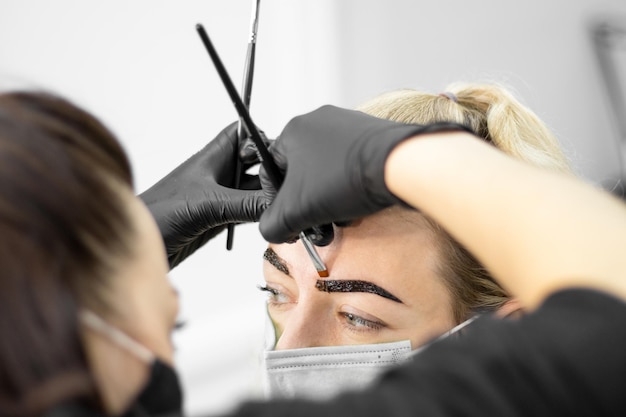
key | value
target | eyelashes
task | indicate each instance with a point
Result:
(349, 320)
(360, 324)
(275, 297)
(272, 292)
(179, 325)
(265, 288)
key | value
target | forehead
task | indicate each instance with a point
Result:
(391, 223)
(395, 248)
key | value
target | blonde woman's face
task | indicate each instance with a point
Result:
(382, 287)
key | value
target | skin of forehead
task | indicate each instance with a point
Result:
(385, 249)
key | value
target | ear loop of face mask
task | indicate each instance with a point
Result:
(456, 331)
(162, 393)
(93, 321)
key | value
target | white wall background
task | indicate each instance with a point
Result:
(141, 67)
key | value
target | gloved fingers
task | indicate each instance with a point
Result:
(238, 206)
(266, 185)
(223, 153)
(321, 235)
(250, 182)
(177, 253)
(281, 162)
(346, 223)
(253, 205)
(250, 157)
(275, 231)
(281, 221)
(227, 138)
(248, 153)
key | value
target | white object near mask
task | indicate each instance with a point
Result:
(322, 372)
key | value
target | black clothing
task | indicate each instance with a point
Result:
(80, 410)
(73, 410)
(568, 358)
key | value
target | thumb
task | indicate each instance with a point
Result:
(273, 225)
(244, 206)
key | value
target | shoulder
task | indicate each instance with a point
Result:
(583, 301)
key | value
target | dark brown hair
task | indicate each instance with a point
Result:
(62, 221)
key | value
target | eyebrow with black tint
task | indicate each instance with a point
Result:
(331, 285)
(276, 261)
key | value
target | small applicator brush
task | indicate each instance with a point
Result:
(322, 271)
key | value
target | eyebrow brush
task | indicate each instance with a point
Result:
(268, 163)
(246, 90)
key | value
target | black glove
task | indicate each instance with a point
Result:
(334, 161)
(193, 203)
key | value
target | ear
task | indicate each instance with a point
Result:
(512, 309)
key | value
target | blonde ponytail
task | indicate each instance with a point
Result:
(490, 110)
(511, 126)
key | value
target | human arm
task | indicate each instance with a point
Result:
(537, 231)
(194, 202)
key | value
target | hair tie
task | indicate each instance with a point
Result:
(450, 96)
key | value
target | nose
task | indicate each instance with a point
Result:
(309, 325)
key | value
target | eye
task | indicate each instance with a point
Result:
(274, 296)
(357, 323)
(179, 325)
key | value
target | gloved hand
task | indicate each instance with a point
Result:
(334, 161)
(193, 203)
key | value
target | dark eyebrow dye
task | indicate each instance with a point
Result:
(270, 256)
(354, 286)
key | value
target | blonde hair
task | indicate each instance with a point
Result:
(490, 110)
(494, 114)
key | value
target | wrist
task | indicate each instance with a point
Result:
(396, 165)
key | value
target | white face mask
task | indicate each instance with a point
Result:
(323, 372)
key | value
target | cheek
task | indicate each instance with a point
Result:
(436, 317)
(175, 306)
(164, 307)
(170, 305)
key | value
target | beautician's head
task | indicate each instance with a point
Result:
(437, 282)
(74, 237)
